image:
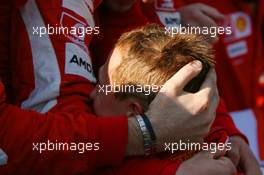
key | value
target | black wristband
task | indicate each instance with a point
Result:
(149, 127)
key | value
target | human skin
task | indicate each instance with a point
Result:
(201, 15)
(107, 105)
(192, 112)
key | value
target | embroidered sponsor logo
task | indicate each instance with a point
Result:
(74, 29)
(237, 49)
(240, 23)
(78, 62)
(169, 19)
(80, 17)
(166, 5)
(69, 21)
(82, 63)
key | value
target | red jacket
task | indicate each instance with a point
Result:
(238, 69)
(69, 118)
(43, 80)
(20, 129)
(17, 140)
(240, 59)
(112, 26)
(53, 65)
(5, 15)
(38, 68)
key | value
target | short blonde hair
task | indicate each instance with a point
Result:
(151, 57)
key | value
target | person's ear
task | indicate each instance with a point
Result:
(135, 108)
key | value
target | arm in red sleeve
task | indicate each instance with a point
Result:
(5, 14)
(20, 129)
(223, 120)
(139, 165)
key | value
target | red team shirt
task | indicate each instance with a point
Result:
(239, 56)
(240, 59)
(112, 26)
(53, 75)
(44, 79)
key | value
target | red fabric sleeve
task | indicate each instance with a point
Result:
(5, 70)
(171, 168)
(137, 165)
(18, 3)
(224, 120)
(20, 129)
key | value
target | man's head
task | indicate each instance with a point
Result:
(143, 60)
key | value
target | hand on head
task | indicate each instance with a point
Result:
(176, 114)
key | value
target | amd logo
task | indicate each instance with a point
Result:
(82, 63)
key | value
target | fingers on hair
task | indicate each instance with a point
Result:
(151, 56)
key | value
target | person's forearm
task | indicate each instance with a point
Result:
(135, 139)
(5, 70)
(25, 134)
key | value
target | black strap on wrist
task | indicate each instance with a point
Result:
(149, 127)
(149, 137)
